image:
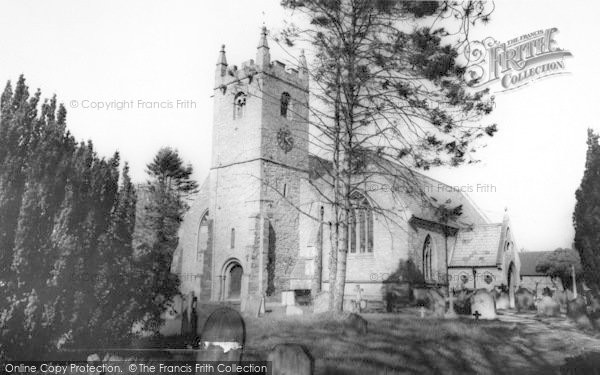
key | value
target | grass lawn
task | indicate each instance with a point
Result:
(405, 343)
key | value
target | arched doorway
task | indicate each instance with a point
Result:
(232, 280)
(512, 284)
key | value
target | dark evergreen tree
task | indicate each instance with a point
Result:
(586, 218)
(168, 188)
(66, 228)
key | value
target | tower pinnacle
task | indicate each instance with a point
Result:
(263, 57)
(222, 62)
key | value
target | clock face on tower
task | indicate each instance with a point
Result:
(285, 139)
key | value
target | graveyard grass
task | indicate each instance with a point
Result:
(405, 343)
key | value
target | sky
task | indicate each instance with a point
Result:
(129, 53)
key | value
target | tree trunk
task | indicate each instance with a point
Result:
(318, 262)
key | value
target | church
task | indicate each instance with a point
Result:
(259, 225)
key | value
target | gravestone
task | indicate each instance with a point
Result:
(483, 303)
(436, 303)
(576, 307)
(293, 310)
(524, 299)
(93, 358)
(502, 301)
(561, 298)
(223, 336)
(577, 311)
(359, 304)
(288, 298)
(290, 359)
(321, 302)
(548, 307)
(356, 324)
(254, 305)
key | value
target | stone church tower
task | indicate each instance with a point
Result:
(259, 160)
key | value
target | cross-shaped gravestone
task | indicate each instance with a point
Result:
(476, 314)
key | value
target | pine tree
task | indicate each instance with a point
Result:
(169, 186)
(586, 218)
(391, 93)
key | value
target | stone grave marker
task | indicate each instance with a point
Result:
(223, 336)
(524, 299)
(548, 307)
(483, 303)
(290, 359)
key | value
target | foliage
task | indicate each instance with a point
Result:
(68, 274)
(558, 264)
(391, 93)
(168, 188)
(586, 217)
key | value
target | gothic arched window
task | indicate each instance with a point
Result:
(360, 230)
(233, 238)
(427, 259)
(285, 103)
(239, 105)
(202, 245)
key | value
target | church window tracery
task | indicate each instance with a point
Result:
(360, 231)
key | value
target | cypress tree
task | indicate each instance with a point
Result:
(586, 218)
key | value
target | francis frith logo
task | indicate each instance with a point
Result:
(515, 63)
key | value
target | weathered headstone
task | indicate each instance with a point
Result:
(561, 298)
(356, 324)
(321, 302)
(483, 302)
(436, 303)
(93, 358)
(576, 307)
(524, 299)
(290, 359)
(358, 301)
(548, 307)
(223, 336)
(293, 310)
(288, 298)
(502, 301)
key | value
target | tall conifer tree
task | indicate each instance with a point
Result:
(586, 218)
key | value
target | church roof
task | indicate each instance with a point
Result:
(478, 245)
(529, 261)
(421, 193)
